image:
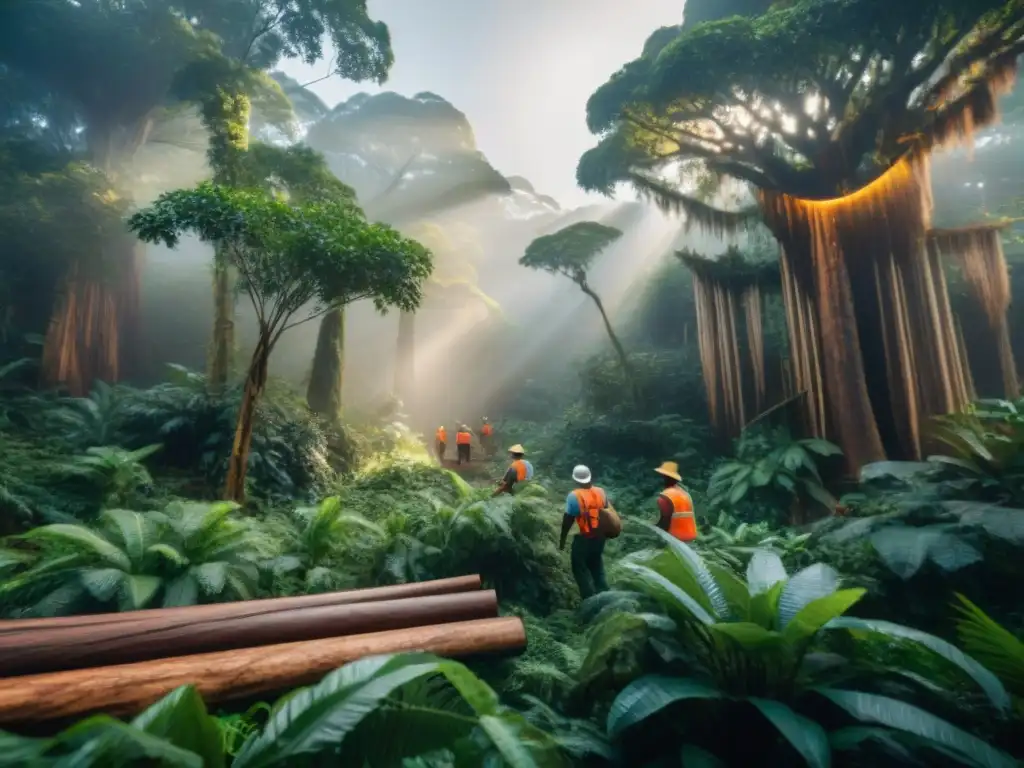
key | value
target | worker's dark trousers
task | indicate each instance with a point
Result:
(441, 447)
(588, 565)
(463, 453)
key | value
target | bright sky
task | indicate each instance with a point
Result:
(521, 70)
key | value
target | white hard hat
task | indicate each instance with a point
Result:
(581, 474)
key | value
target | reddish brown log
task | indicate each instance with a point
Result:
(121, 643)
(240, 674)
(254, 607)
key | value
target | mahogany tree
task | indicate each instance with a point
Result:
(826, 110)
(295, 262)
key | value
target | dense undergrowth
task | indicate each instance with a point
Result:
(827, 624)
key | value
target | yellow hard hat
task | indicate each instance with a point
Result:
(669, 469)
(517, 448)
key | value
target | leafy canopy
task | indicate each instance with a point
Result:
(322, 253)
(570, 251)
(810, 99)
(259, 33)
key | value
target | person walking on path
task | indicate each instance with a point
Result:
(583, 507)
(441, 443)
(487, 438)
(463, 439)
(519, 471)
(675, 507)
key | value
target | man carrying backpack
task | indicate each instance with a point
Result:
(583, 506)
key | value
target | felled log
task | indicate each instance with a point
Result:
(253, 607)
(239, 674)
(122, 643)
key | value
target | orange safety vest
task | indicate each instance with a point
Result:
(442, 435)
(463, 438)
(520, 467)
(591, 501)
(487, 431)
(683, 525)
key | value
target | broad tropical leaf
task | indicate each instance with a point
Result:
(812, 583)
(764, 571)
(988, 682)
(651, 694)
(322, 716)
(891, 713)
(807, 737)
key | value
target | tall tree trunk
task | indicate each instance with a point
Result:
(627, 369)
(324, 394)
(405, 362)
(880, 328)
(226, 117)
(255, 384)
(92, 327)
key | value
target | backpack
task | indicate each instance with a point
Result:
(609, 524)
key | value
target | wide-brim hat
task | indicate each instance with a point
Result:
(517, 448)
(669, 469)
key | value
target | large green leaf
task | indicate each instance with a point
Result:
(134, 528)
(102, 583)
(320, 717)
(750, 636)
(101, 741)
(651, 694)
(137, 591)
(812, 583)
(676, 602)
(904, 549)
(510, 734)
(733, 587)
(807, 737)
(818, 613)
(989, 642)
(696, 565)
(181, 718)
(998, 522)
(892, 713)
(84, 540)
(764, 571)
(988, 682)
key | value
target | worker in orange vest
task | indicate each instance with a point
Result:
(441, 442)
(463, 440)
(675, 505)
(487, 438)
(519, 471)
(583, 507)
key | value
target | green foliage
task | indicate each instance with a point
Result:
(289, 458)
(289, 256)
(723, 640)
(676, 103)
(773, 466)
(570, 251)
(185, 554)
(376, 711)
(118, 473)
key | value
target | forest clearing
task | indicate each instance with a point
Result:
(750, 486)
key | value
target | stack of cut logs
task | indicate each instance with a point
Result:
(119, 663)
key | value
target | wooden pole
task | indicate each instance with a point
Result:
(121, 643)
(255, 607)
(239, 674)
